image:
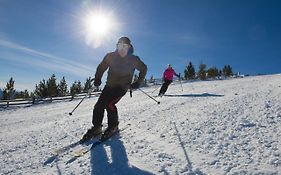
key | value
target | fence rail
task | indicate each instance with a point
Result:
(30, 101)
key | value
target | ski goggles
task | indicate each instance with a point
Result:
(121, 46)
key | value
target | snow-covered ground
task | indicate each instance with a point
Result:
(211, 127)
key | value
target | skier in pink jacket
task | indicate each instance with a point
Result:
(167, 79)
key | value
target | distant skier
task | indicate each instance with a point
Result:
(121, 65)
(167, 79)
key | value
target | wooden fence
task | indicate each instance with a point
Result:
(30, 101)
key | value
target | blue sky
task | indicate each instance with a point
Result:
(39, 38)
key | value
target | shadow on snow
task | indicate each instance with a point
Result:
(194, 95)
(188, 169)
(115, 163)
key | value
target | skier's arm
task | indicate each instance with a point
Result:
(142, 68)
(102, 67)
(178, 75)
(164, 75)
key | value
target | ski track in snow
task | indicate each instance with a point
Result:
(211, 127)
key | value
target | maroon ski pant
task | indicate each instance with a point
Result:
(107, 100)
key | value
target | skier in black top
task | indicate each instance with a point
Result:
(121, 65)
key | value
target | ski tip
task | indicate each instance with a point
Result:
(50, 160)
(81, 141)
(71, 160)
(84, 142)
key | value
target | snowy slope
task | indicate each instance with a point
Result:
(211, 127)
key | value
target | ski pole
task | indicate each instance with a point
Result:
(181, 85)
(180, 81)
(156, 89)
(131, 92)
(80, 102)
(158, 102)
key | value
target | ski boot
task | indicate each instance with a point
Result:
(160, 94)
(109, 132)
(93, 132)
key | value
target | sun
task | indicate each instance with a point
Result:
(97, 24)
(97, 27)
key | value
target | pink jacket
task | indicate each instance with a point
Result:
(169, 74)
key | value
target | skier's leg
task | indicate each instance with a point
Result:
(112, 113)
(98, 112)
(163, 87)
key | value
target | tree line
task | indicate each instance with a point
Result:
(51, 88)
(203, 73)
(46, 89)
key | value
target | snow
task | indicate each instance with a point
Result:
(211, 127)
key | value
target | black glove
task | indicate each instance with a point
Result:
(97, 82)
(135, 85)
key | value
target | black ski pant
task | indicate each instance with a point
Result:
(165, 86)
(107, 100)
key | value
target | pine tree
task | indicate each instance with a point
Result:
(79, 87)
(52, 87)
(202, 71)
(88, 85)
(37, 91)
(76, 88)
(213, 72)
(144, 84)
(73, 89)
(22, 94)
(135, 78)
(9, 91)
(26, 94)
(1, 94)
(220, 73)
(189, 72)
(33, 98)
(5, 95)
(227, 71)
(41, 90)
(62, 88)
(151, 80)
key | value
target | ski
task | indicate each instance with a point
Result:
(65, 148)
(61, 151)
(85, 150)
(73, 145)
